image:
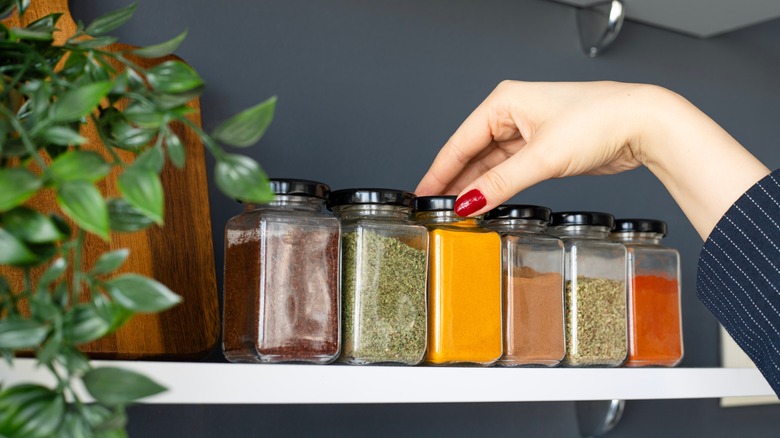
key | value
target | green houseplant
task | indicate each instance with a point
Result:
(48, 93)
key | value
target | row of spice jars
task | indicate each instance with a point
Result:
(431, 289)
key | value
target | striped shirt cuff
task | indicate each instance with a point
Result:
(738, 276)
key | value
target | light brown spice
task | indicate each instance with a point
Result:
(533, 312)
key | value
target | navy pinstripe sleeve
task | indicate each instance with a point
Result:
(738, 276)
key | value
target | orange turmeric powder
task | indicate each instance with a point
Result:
(464, 294)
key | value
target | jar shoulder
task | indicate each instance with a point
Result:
(532, 239)
(606, 245)
(280, 215)
(639, 248)
(375, 224)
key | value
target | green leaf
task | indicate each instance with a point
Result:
(171, 101)
(30, 35)
(78, 102)
(105, 420)
(134, 80)
(6, 7)
(162, 49)
(49, 350)
(142, 294)
(130, 137)
(40, 93)
(52, 273)
(30, 411)
(175, 150)
(85, 324)
(14, 252)
(247, 127)
(173, 77)
(110, 262)
(63, 136)
(16, 186)
(61, 294)
(73, 426)
(45, 23)
(111, 312)
(31, 226)
(95, 43)
(242, 178)
(21, 6)
(79, 166)
(83, 203)
(61, 224)
(152, 159)
(17, 333)
(143, 190)
(125, 218)
(74, 360)
(42, 308)
(116, 386)
(114, 433)
(110, 21)
(144, 115)
(75, 64)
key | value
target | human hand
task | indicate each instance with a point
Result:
(526, 132)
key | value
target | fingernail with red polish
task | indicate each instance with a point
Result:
(472, 201)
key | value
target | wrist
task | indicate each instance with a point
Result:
(703, 167)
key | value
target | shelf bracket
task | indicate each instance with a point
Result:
(596, 418)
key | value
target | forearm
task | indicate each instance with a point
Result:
(701, 165)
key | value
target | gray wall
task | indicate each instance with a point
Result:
(369, 91)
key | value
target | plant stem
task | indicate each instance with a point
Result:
(77, 272)
(23, 135)
(117, 161)
(211, 145)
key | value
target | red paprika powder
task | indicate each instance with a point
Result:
(655, 336)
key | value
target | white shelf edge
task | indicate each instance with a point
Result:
(220, 383)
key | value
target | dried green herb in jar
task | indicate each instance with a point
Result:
(595, 322)
(384, 299)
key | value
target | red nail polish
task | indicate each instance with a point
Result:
(472, 201)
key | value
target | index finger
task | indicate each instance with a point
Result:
(469, 139)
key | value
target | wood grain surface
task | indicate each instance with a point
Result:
(180, 255)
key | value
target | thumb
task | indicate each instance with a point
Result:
(520, 171)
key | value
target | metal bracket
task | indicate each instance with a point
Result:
(596, 418)
(598, 25)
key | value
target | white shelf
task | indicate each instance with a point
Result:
(219, 383)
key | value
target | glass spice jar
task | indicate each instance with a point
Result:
(464, 289)
(595, 276)
(654, 317)
(532, 264)
(384, 268)
(281, 289)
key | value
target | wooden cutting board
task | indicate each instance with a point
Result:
(180, 255)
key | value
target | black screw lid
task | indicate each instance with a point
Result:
(302, 187)
(592, 218)
(640, 226)
(520, 211)
(435, 203)
(370, 196)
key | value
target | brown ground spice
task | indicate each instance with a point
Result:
(287, 310)
(533, 315)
